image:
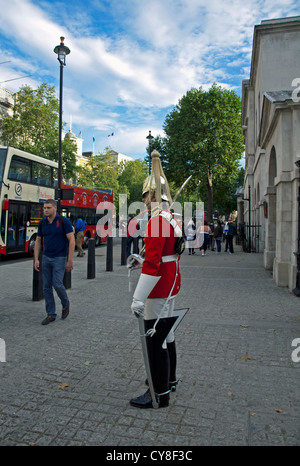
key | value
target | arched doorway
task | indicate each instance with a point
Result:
(270, 212)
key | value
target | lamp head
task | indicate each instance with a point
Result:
(62, 50)
(149, 137)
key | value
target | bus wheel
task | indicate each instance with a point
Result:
(97, 240)
(31, 246)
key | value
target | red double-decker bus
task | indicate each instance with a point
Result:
(84, 204)
(26, 182)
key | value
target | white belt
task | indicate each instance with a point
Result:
(170, 258)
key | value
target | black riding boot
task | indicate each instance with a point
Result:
(159, 365)
(173, 363)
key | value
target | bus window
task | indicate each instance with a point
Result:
(19, 169)
(2, 163)
(41, 174)
(36, 213)
(54, 177)
(90, 218)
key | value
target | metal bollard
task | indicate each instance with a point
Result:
(123, 250)
(109, 254)
(91, 270)
(37, 282)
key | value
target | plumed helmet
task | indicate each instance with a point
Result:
(157, 181)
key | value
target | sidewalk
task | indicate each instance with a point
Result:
(69, 383)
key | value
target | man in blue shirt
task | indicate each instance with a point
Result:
(79, 229)
(59, 244)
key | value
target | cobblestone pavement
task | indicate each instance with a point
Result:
(69, 383)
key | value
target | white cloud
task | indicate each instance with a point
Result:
(132, 59)
(131, 141)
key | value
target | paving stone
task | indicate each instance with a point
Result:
(69, 383)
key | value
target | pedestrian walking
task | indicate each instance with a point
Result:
(204, 232)
(211, 236)
(191, 236)
(229, 237)
(225, 229)
(132, 227)
(79, 232)
(159, 283)
(55, 234)
(218, 234)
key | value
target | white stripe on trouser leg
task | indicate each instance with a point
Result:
(153, 309)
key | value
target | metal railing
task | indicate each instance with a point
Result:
(248, 237)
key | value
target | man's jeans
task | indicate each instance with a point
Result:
(53, 275)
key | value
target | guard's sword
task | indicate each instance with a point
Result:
(175, 320)
(180, 190)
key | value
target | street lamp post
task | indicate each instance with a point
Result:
(296, 290)
(61, 50)
(149, 137)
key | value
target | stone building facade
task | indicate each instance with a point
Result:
(271, 123)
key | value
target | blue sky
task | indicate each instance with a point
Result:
(130, 60)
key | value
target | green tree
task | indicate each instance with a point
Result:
(225, 193)
(204, 139)
(101, 171)
(157, 143)
(34, 127)
(131, 178)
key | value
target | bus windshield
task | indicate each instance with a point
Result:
(2, 162)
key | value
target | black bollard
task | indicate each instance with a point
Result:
(37, 282)
(109, 254)
(91, 270)
(123, 250)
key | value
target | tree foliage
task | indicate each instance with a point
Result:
(204, 139)
(100, 171)
(34, 127)
(131, 178)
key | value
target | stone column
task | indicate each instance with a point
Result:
(270, 227)
(284, 230)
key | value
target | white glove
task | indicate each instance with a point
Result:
(144, 286)
(137, 308)
(135, 261)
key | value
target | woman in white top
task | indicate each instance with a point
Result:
(204, 231)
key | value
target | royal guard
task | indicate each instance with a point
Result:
(158, 285)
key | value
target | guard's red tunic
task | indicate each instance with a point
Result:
(160, 242)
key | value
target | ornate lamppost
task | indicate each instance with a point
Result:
(62, 51)
(296, 290)
(149, 137)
